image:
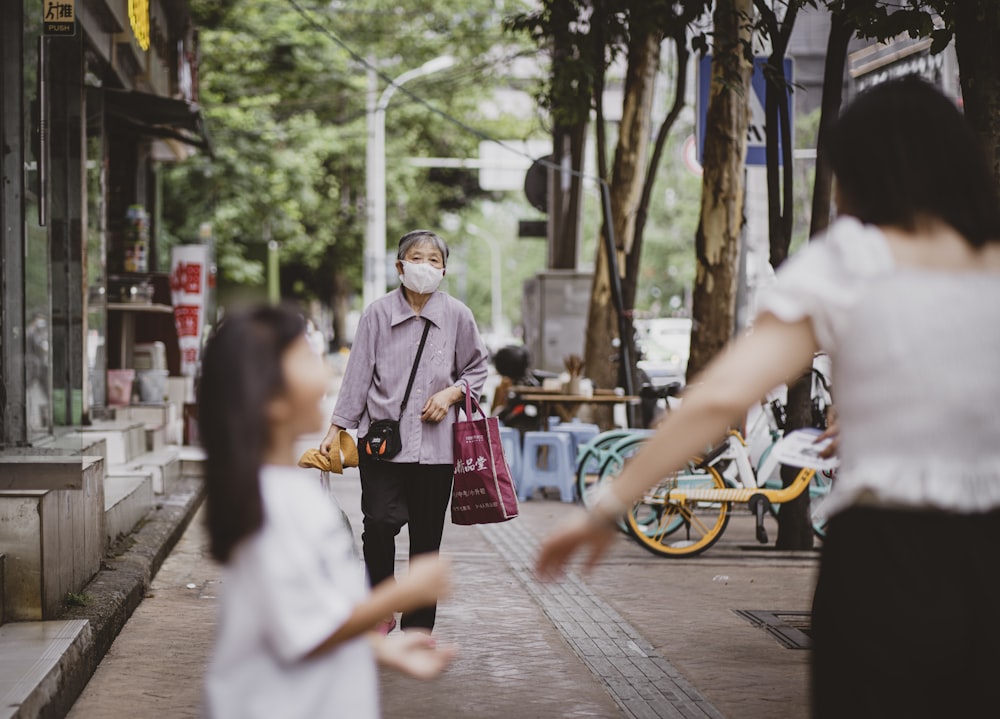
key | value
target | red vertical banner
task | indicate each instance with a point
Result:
(189, 272)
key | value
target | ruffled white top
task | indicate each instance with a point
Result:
(916, 370)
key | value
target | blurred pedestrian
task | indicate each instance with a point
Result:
(414, 486)
(315, 337)
(296, 629)
(513, 364)
(904, 293)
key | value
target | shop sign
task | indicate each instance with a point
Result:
(929, 67)
(189, 275)
(138, 18)
(59, 17)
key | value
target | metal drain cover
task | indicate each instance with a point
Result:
(791, 629)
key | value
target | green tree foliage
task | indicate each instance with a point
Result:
(283, 90)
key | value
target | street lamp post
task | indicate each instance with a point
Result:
(375, 255)
(496, 298)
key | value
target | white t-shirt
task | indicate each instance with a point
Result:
(916, 370)
(286, 589)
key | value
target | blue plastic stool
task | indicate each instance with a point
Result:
(558, 469)
(510, 438)
(582, 433)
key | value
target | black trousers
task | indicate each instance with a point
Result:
(906, 616)
(394, 494)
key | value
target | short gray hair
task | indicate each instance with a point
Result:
(419, 237)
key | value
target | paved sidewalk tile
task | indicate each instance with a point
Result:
(512, 661)
(642, 636)
(156, 664)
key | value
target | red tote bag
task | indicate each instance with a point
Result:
(483, 491)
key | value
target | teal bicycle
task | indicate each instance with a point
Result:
(728, 464)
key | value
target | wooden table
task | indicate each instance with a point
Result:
(567, 405)
(523, 389)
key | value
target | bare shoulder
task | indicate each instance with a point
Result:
(940, 248)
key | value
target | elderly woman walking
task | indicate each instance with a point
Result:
(414, 486)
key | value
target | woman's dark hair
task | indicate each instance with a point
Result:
(241, 372)
(902, 150)
(512, 361)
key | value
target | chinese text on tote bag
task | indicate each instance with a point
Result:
(483, 492)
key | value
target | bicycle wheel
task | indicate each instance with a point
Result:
(680, 529)
(615, 458)
(592, 458)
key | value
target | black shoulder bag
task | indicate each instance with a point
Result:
(383, 440)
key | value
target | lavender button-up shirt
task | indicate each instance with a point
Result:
(382, 355)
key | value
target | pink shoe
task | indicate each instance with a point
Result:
(386, 626)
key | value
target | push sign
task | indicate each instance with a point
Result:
(59, 17)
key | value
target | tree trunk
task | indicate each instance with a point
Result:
(642, 211)
(842, 29)
(565, 204)
(778, 125)
(794, 523)
(977, 23)
(625, 191)
(722, 189)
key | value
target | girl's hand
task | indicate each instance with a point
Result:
(415, 654)
(427, 581)
(332, 435)
(580, 532)
(436, 408)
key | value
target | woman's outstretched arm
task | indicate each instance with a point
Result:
(776, 352)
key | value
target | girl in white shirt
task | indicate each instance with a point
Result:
(295, 633)
(903, 293)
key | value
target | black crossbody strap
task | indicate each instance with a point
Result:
(416, 361)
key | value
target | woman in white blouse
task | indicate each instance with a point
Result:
(903, 292)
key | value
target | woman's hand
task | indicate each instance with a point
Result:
(436, 408)
(581, 532)
(415, 654)
(332, 435)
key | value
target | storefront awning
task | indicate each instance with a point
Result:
(158, 116)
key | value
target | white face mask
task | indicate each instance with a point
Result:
(421, 277)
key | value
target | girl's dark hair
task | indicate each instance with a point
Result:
(240, 373)
(903, 150)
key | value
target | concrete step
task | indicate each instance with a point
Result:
(157, 414)
(156, 438)
(162, 421)
(126, 439)
(127, 500)
(34, 659)
(164, 465)
(192, 461)
(70, 443)
(54, 540)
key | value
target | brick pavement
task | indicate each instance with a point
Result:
(154, 667)
(642, 637)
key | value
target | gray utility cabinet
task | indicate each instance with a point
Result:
(554, 311)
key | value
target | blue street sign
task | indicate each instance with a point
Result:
(756, 138)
